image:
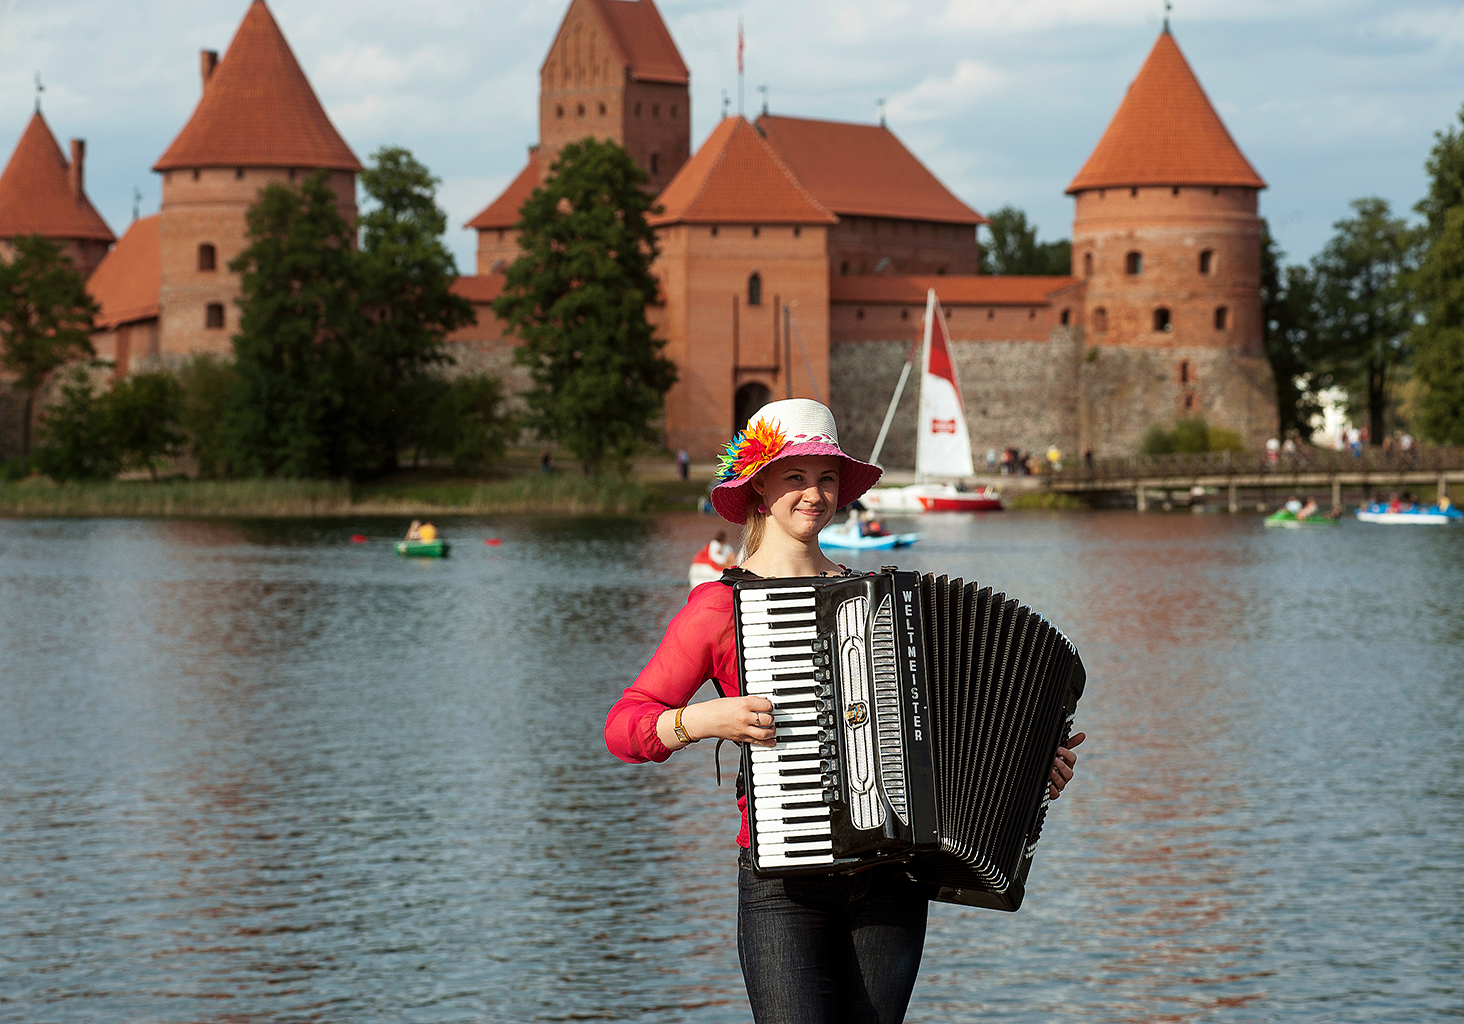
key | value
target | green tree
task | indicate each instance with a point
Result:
(406, 281)
(295, 355)
(76, 437)
(1014, 248)
(577, 298)
(142, 413)
(1364, 307)
(464, 419)
(46, 320)
(1288, 312)
(208, 386)
(1438, 341)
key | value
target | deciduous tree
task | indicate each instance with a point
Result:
(577, 298)
(1014, 248)
(46, 320)
(1438, 341)
(406, 281)
(1288, 311)
(141, 413)
(296, 350)
(1364, 306)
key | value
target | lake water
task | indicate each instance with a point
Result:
(250, 771)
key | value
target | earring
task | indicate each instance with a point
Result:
(762, 510)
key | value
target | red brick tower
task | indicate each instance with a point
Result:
(1167, 237)
(258, 122)
(42, 194)
(613, 73)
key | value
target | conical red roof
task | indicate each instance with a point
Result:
(736, 178)
(1166, 133)
(258, 110)
(36, 197)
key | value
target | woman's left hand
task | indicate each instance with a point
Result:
(1063, 765)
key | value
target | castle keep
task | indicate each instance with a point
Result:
(796, 253)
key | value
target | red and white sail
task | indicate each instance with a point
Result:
(942, 446)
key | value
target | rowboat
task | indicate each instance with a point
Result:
(841, 535)
(1431, 516)
(1287, 520)
(423, 548)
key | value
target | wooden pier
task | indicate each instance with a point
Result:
(1159, 477)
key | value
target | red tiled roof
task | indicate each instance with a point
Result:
(736, 178)
(863, 170)
(1166, 133)
(258, 110)
(950, 289)
(479, 289)
(35, 192)
(646, 47)
(125, 283)
(503, 212)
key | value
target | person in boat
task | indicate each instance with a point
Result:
(427, 533)
(414, 532)
(1309, 509)
(870, 526)
(1394, 503)
(1293, 505)
(720, 553)
(831, 948)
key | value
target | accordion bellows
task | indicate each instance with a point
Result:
(917, 721)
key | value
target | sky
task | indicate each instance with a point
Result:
(1002, 99)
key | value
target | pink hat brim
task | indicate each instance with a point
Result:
(733, 498)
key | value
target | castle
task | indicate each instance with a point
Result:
(795, 253)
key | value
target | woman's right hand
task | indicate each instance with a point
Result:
(740, 719)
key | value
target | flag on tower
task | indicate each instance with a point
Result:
(739, 44)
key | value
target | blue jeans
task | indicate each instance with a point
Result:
(830, 948)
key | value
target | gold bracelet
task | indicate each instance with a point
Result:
(681, 733)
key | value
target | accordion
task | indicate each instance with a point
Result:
(916, 722)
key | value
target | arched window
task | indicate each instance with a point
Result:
(1207, 261)
(754, 290)
(207, 256)
(1222, 318)
(213, 315)
(1065, 317)
(1087, 264)
(1100, 320)
(1133, 263)
(1161, 319)
(1184, 376)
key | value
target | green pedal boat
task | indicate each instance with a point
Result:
(423, 548)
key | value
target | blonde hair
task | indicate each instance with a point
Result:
(752, 530)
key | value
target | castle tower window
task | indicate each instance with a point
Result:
(798, 231)
(580, 110)
(1134, 192)
(1189, 402)
(755, 230)
(1207, 261)
(559, 111)
(213, 315)
(195, 174)
(990, 314)
(1222, 318)
(859, 314)
(655, 163)
(1100, 320)
(754, 290)
(238, 174)
(1161, 319)
(1174, 191)
(207, 256)
(1087, 264)
(714, 231)
(602, 110)
(1184, 375)
(904, 314)
(1065, 317)
(1133, 263)
(844, 267)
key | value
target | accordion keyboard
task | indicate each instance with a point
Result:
(793, 782)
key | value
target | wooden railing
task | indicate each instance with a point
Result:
(1419, 459)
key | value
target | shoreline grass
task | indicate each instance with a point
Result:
(563, 494)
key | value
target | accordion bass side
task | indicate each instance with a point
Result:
(916, 722)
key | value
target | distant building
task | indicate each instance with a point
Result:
(796, 253)
(257, 122)
(42, 193)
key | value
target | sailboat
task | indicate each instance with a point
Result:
(942, 443)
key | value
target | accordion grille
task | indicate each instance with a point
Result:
(887, 710)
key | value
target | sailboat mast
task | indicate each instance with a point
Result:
(924, 369)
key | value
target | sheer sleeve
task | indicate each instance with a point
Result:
(694, 649)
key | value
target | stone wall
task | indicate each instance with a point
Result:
(1125, 390)
(1018, 394)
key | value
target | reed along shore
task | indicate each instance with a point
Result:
(568, 494)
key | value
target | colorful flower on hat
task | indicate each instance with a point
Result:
(751, 450)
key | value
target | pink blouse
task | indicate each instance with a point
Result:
(698, 645)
